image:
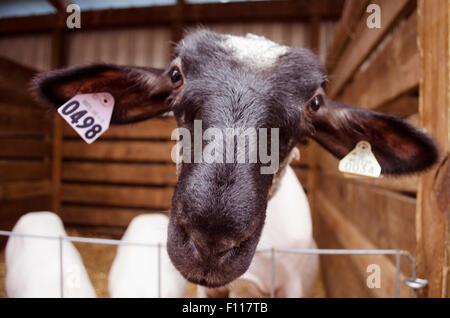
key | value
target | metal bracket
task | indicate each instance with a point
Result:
(415, 283)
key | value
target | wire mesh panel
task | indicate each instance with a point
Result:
(412, 282)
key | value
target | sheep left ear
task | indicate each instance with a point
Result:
(399, 147)
(139, 92)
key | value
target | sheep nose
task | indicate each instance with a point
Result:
(206, 251)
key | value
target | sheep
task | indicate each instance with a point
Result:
(136, 272)
(288, 226)
(217, 83)
(33, 264)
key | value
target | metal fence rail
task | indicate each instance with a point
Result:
(413, 282)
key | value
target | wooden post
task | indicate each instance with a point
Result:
(312, 145)
(434, 104)
(58, 61)
(177, 23)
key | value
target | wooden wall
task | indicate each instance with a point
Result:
(32, 50)
(378, 69)
(25, 147)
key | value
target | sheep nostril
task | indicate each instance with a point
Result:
(224, 251)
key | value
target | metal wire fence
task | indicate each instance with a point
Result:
(413, 282)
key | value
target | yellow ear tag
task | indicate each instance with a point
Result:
(361, 161)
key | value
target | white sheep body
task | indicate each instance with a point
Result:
(33, 264)
(134, 272)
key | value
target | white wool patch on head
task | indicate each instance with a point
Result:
(256, 51)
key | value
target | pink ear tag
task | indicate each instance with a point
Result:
(88, 114)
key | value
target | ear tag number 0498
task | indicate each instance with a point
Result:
(361, 161)
(88, 114)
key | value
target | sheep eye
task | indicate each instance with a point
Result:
(316, 102)
(176, 78)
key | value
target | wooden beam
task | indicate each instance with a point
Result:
(60, 5)
(178, 22)
(143, 151)
(364, 41)
(156, 128)
(24, 121)
(119, 196)
(129, 173)
(404, 106)
(21, 148)
(393, 72)
(14, 80)
(376, 212)
(10, 211)
(434, 105)
(24, 190)
(351, 14)
(99, 216)
(23, 170)
(264, 10)
(288, 10)
(58, 61)
(352, 238)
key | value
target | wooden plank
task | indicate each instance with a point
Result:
(434, 104)
(59, 59)
(60, 5)
(15, 97)
(24, 189)
(351, 14)
(177, 23)
(158, 174)
(14, 75)
(22, 121)
(119, 150)
(341, 276)
(34, 23)
(292, 10)
(131, 196)
(314, 30)
(393, 72)
(352, 238)
(379, 214)
(57, 153)
(23, 170)
(364, 41)
(157, 128)
(263, 11)
(11, 147)
(403, 106)
(87, 215)
(10, 211)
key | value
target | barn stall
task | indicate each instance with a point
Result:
(400, 69)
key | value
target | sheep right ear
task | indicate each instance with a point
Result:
(139, 92)
(399, 147)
